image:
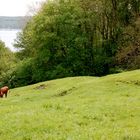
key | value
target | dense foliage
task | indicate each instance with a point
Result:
(75, 37)
(128, 56)
(7, 61)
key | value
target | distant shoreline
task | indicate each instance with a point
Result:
(18, 22)
(9, 29)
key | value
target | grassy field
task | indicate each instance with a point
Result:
(78, 108)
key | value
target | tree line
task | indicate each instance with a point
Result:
(76, 38)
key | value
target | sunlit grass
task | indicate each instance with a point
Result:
(78, 108)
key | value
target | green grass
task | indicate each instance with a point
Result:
(78, 108)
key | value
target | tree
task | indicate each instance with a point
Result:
(6, 58)
(7, 62)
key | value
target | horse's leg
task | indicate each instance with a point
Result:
(6, 94)
(1, 95)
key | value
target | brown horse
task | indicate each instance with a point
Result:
(3, 91)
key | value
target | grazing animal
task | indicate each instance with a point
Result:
(4, 90)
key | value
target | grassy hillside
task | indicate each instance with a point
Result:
(78, 108)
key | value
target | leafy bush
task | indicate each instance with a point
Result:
(21, 75)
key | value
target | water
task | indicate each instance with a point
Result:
(8, 36)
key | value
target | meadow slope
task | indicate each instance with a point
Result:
(74, 108)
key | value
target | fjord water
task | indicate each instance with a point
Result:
(8, 36)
